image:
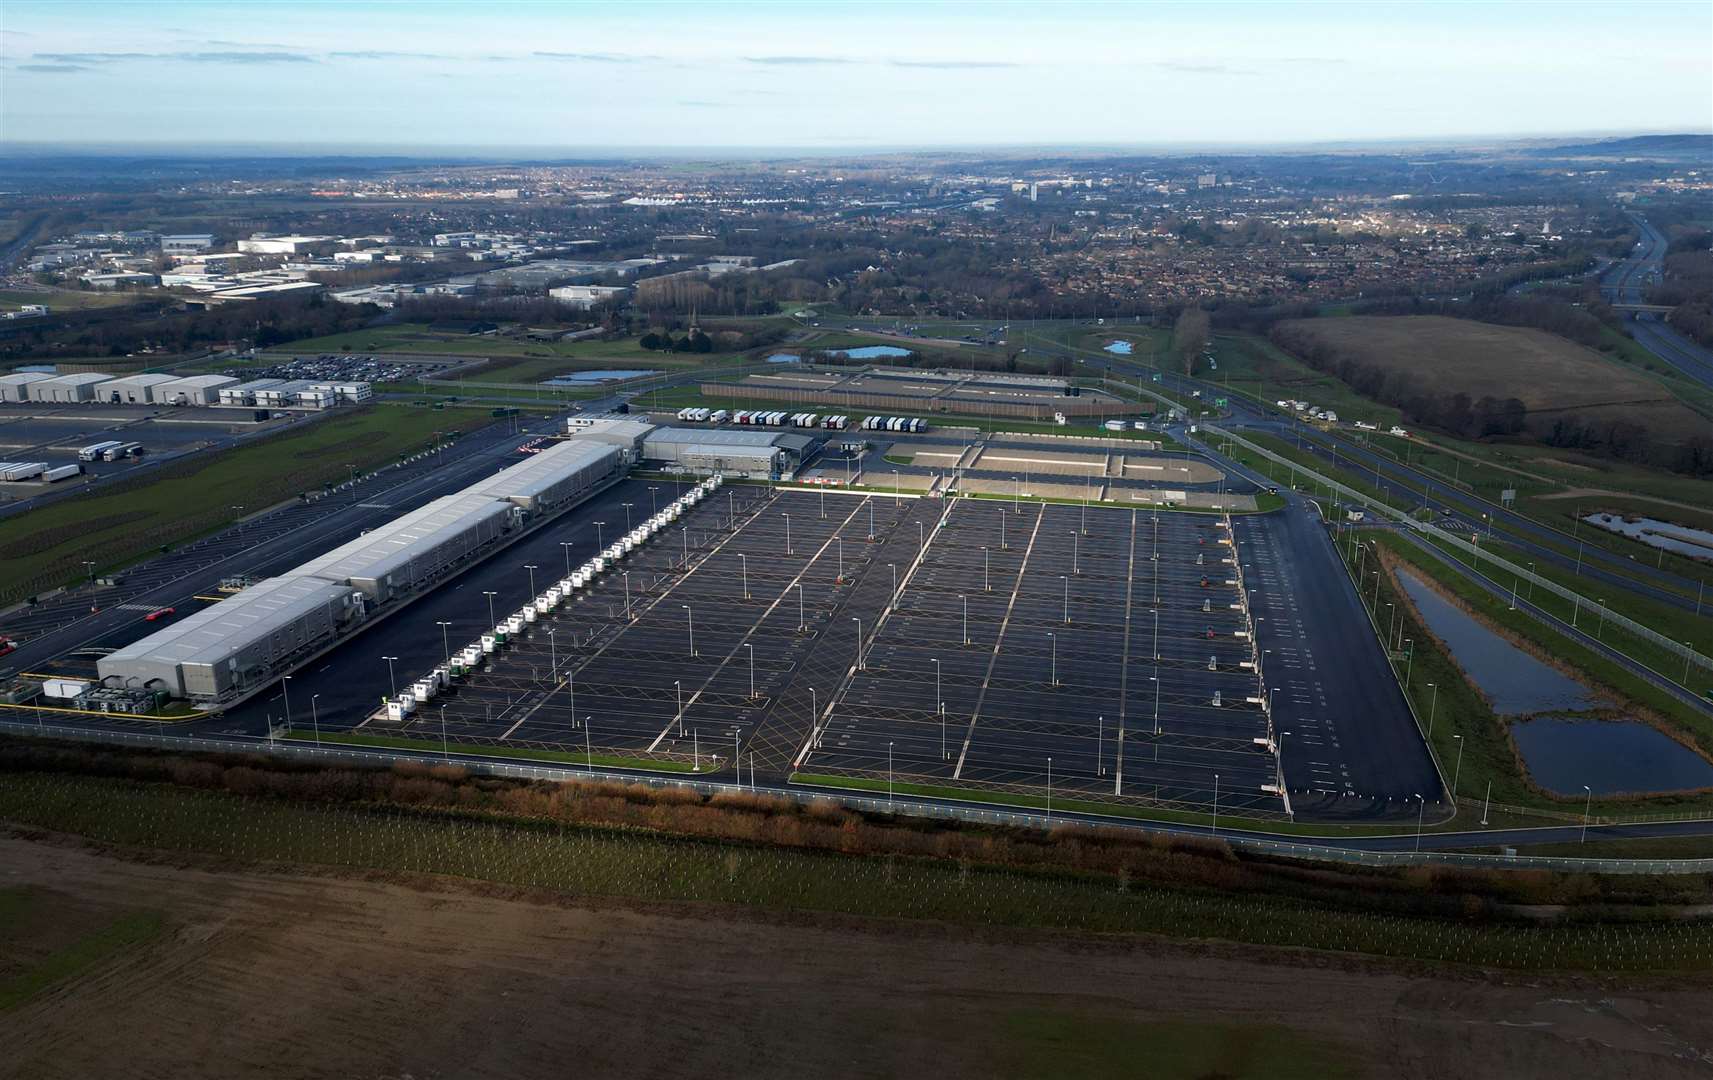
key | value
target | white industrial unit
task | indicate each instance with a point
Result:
(261, 631)
(16, 387)
(245, 393)
(194, 390)
(134, 389)
(68, 389)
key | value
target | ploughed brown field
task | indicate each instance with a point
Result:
(1552, 376)
(218, 970)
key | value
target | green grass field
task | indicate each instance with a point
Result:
(50, 947)
(66, 299)
(46, 547)
(658, 867)
(570, 757)
(1035, 1042)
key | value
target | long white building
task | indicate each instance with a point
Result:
(262, 632)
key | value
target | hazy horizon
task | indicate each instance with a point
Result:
(844, 77)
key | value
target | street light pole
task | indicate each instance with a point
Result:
(1587, 805)
(966, 601)
(690, 618)
(1420, 816)
(566, 544)
(859, 663)
(490, 596)
(315, 718)
(802, 625)
(1054, 638)
(985, 585)
(285, 692)
(391, 678)
(787, 518)
(445, 642)
(1433, 709)
(751, 649)
(1457, 770)
(743, 560)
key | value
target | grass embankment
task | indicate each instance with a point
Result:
(1488, 753)
(1254, 367)
(671, 845)
(47, 947)
(112, 526)
(66, 299)
(1542, 484)
(592, 760)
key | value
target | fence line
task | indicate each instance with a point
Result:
(1677, 648)
(878, 804)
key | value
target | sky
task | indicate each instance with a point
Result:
(630, 73)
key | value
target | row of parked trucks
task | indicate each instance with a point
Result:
(475, 655)
(37, 470)
(894, 423)
(111, 450)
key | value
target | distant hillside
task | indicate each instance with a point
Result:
(1674, 146)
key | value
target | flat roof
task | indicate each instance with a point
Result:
(206, 381)
(214, 633)
(147, 378)
(24, 378)
(82, 378)
(393, 545)
(714, 436)
(551, 466)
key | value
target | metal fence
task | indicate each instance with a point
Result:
(1679, 649)
(1323, 852)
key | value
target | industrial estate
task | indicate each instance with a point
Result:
(1012, 612)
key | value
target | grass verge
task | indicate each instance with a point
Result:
(523, 753)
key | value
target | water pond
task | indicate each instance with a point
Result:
(1122, 348)
(784, 358)
(1514, 682)
(595, 378)
(1681, 539)
(872, 352)
(1610, 756)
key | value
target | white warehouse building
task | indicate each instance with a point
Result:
(252, 638)
(68, 388)
(15, 388)
(134, 389)
(194, 390)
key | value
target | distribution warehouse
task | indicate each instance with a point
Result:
(246, 641)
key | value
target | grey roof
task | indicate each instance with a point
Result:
(216, 632)
(728, 450)
(674, 436)
(395, 544)
(255, 384)
(20, 378)
(147, 378)
(205, 382)
(551, 466)
(82, 378)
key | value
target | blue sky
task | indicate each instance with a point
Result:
(566, 75)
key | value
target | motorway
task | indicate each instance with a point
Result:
(1626, 282)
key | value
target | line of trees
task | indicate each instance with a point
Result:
(1488, 416)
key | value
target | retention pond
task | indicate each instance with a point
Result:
(1562, 753)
